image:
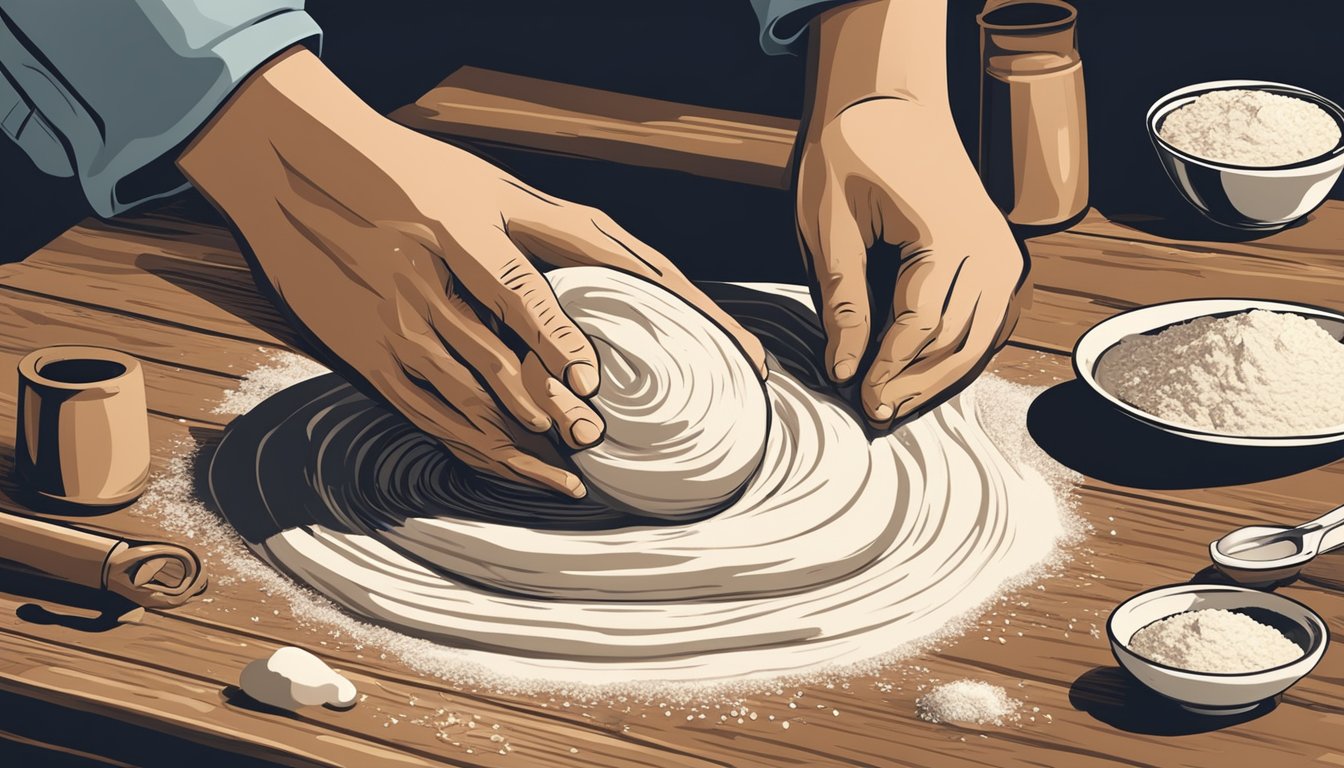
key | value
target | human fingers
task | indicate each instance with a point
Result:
(500, 276)
(440, 397)
(497, 366)
(926, 291)
(838, 260)
(963, 349)
(578, 235)
(576, 422)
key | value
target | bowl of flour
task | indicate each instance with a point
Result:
(1233, 371)
(1216, 650)
(1249, 154)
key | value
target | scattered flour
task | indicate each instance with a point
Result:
(1253, 128)
(1213, 640)
(968, 701)
(1256, 373)
(172, 502)
(285, 369)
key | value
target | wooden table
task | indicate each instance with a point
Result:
(175, 292)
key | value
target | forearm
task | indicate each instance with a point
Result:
(879, 49)
(108, 92)
(290, 128)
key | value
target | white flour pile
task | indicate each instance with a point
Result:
(1255, 373)
(1214, 640)
(968, 701)
(1253, 128)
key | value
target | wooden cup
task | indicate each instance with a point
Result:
(83, 428)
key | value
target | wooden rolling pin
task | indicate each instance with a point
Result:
(148, 574)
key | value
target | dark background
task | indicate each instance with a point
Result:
(706, 52)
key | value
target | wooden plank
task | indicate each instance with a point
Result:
(1320, 236)
(179, 705)
(1160, 535)
(406, 716)
(146, 278)
(526, 113)
(186, 374)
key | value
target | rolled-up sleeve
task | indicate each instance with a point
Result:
(107, 90)
(784, 21)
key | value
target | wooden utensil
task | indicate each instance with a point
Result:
(154, 575)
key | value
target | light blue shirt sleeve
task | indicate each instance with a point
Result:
(783, 22)
(106, 90)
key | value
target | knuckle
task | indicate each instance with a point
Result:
(916, 320)
(554, 388)
(595, 215)
(846, 315)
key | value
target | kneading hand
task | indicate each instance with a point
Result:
(407, 258)
(960, 266)
(881, 161)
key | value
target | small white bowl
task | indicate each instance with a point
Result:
(1214, 693)
(1104, 336)
(1241, 196)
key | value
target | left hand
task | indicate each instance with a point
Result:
(893, 170)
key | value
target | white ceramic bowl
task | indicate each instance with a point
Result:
(1248, 197)
(1213, 693)
(1102, 337)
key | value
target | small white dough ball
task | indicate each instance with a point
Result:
(292, 677)
(686, 413)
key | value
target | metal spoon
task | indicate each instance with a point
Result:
(1261, 555)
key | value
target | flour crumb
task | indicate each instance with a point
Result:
(284, 369)
(968, 701)
(1254, 373)
(1214, 640)
(1253, 128)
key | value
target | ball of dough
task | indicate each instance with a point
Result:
(686, 414)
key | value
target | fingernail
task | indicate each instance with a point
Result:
(843, 370)
(583, 378)
(576, 487)
(540, 423)
(882, 412)
(585, 432)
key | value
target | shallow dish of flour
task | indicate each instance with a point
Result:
(1106, 336)
(1219, 693)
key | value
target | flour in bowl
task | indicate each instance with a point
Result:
(1253, 128)
(1214, 640)
(1255, 373)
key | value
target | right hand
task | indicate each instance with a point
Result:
(402, 255)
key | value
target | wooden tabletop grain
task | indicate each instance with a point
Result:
(175, 291)
(177, 294)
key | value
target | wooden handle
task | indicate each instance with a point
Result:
(543, 116)
(148, 574)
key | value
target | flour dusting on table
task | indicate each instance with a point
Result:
(282, 370)
(999, 405)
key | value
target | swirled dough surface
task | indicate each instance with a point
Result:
(678, 442)
(834, 547)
